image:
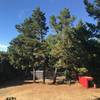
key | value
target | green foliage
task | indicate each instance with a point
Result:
(34, 26)
(64, 20)
(3, 55)
(93, 10)
(82, 70)
(61, 24)
(28, 49)
(70, 47)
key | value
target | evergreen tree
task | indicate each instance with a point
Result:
(62, 25)
(93, 9)
(28, 49)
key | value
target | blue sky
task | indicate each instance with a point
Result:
(13, 12)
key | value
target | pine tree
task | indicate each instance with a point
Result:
(28, 49)
(93, 10)
(62, 25)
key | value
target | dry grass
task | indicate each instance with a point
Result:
(40, 91)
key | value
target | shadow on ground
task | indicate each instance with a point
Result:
(14, 83)
(98, 85)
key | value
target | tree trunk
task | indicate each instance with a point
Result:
(25, 75)
(43, 74)
(66, 74)
(77, 76)
(34, 75)
(55, 75)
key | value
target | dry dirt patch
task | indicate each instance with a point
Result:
(40, 91)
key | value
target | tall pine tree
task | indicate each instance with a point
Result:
(28, 49)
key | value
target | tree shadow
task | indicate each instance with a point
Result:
(97, 83)
(96, 98)
(14, 83)
(62, 82)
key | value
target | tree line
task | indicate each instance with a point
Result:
(76, 48)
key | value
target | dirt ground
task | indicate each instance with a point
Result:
(39, 91)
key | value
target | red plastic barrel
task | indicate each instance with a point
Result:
(84, 80)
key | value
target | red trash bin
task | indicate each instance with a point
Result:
(85, 80)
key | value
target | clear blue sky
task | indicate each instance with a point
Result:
(13, 12)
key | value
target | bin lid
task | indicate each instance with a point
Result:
(87, 77)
